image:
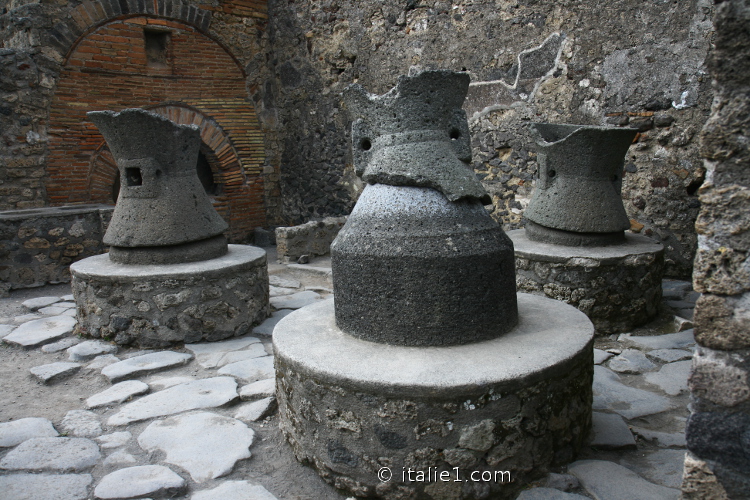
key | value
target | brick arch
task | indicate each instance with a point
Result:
(107, 69)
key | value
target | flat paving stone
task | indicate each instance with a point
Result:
(234, 490)
(663, 439)
(205, 444)
(610, 481)
(70, 312)
(41, 331)
(166, 382)
(672, 378)
(275, 291)
(68, 298)
(630, 402)
(81, 423)
(601, 356)
(294, 301)
(679, 340)
(118, 393)
(99, 362)
(221, 346)
(267, 326)
(250, 370)
(252, 412)
(66, 303)
(53, 310)
(45, 486)
(6, 330)
(669, 355)
(119, 458)
(610, 432)
(631, 361)
(283, 282)
(140, 481)
(146, 363)
(548, 494)
(681, 324)
(219, 359)
(39, 302)
(25, 318)
(90, 349)
(114, 440)
(18, 431)
(205, 393)
(63, 454)
(61, 345)
(664, 467)
(260, 389)
(53, 372)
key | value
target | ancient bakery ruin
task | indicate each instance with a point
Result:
(297, 249)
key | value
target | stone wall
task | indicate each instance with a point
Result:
(718, 436)
(311, 238)
(37, 246)
(633, 63)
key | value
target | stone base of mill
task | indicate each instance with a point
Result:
(617, 286)
(164, 304)
(471, 421)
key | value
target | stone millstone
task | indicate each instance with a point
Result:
(163, 214)
(579, 184)
(412, 268)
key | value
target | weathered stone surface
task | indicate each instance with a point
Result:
(614, 482)
(90, 349)
(618, 286)
(260, 389)
(145, 364)
(610, 432)
(81, 423)
(601, 356)
(39, 302)
(45, 486)
(166, 382)
(61, 454)
(53, 310)
(663, 467)
(205, 393)
(114, 440)
(100, 362)
(548, 494)
(139, 481)
(219, 359)
(311, 238)
(118, 393)
(679, 340)
(672, 378)
(284, 282)
(669, 355)
(631, 361)
(119, 458)
(720, 377)
(252, 412)
(25, 318)
(721, 321)
(663, 439)
(579, 181)
(630, 402)
(295, 300)
(221, 346)
(41, 331)
(205, 444)
(266, 328)
(60, 344)
(250, 370)
(53, 372)
(234, 490)
(5, 330)
(18, 431)
(563, 482)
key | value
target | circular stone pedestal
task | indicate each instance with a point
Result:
(160, 305)
(617, 286)
(444, 422)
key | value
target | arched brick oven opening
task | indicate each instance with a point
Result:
(173, 69)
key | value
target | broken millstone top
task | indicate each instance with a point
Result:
(415, 135)
(577, 198)
(163, 214)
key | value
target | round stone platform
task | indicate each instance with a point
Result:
(617, 286)
(163, 304)
(392, 421)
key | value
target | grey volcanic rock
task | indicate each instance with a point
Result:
(609, 431)
(41, 331)
(234, 490)
(90, 349)
(39, 302)
(117, 393)
(45, 486)
(579, 184)
(412, 268)
(53, 372)
(614, 482)
(630, 402)
(205, 444)
(18, 431)
(163, 214)
(631, 361)
(62, 454)
(143, 364)
(81, 423)
(132, 482)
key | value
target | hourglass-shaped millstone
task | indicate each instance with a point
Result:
(163, 214)
(420, 261)
(577, 198)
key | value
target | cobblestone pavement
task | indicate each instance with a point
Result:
(84, 419)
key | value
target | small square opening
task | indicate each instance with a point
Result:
(133, 176)
(157, 47)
